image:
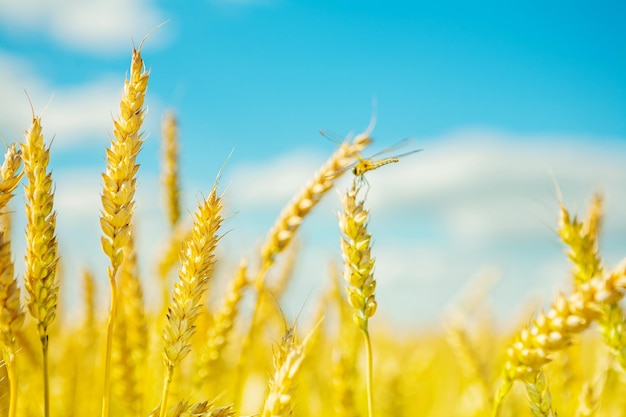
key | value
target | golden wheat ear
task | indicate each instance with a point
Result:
(169, 175)
(11, 311)
(118, 192)
(196, 268)
(288, 359)
(40, 279)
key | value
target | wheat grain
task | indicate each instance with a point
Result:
(539, 397)
(582, 242)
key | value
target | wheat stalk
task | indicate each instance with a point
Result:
(358, 270)
(197, 263)
(131, 333)
(118, 191)
(288, 359)
(41, 251)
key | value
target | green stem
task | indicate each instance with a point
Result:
(370, 373)
(109, 344)
(166, 390)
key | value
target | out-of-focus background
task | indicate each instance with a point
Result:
(504, 99)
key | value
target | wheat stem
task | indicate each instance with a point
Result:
(9, 362)
(169, 374)
(370, 373)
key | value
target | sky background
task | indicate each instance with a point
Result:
(504, 99)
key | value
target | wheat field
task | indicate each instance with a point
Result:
(199, 356)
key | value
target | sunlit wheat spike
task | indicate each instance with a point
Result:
(553, 330)
(539, 397)
(288, 357)
(41, 253)
(197, 261)
(358, 261)
(41, 258)
(11, 311)
(10, 175)
(118, 191)
(169, 175)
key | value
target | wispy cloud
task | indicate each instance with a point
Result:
(93, 26)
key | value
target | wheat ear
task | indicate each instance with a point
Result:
(552, 331)
(169, 175)
(539, 397)
(11, 312)
(581, 239)
(197, 262)
(358, 270)
(201, 409)
(118, 191)
(288, 357)
(41, 251)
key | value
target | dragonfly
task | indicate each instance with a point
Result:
(366, 164)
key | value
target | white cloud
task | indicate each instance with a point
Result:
(88, 26)
(268, 183)
(76, 113)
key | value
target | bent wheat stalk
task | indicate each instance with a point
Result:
(289, 222)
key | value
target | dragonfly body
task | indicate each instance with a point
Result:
(365, 165)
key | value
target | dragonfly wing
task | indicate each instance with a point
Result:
(400, 144)
(334, 137)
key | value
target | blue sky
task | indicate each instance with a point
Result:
(500, 97)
